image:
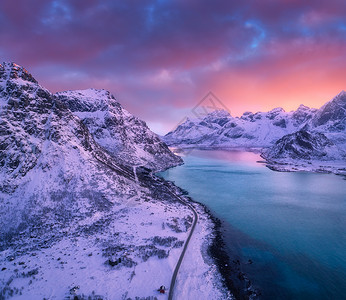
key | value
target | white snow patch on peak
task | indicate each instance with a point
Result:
(277, 110)
(11, 72)
(91, 100)
(342, 93)
(247, 113)
(219, 113)
(303, 107)
(87, 93)
(339, 99)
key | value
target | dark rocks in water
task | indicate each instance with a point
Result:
(236, 261)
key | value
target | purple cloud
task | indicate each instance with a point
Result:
(160, 57)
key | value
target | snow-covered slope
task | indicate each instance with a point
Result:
(252, 130)
(115, 129)
(306, 151)
(330, 119)
(304, 145)
(76, 221)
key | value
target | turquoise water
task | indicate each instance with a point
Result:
(291, 225)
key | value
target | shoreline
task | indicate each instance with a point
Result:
(319, 167)
(234, 281)
(184, 148)
(290, 165)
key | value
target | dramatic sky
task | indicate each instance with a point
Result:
(160, 58)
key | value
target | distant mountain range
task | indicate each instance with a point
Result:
(280, 133)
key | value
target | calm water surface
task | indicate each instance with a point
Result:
(291, 225)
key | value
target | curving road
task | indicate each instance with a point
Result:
(176, 270)
(133, 175)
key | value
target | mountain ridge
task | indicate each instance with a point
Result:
(74, 216)
(117, 131)
(261, 129)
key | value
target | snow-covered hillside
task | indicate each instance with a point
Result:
(320, 146)
(305, 145)
(120, 133)
(77, 221)
(306, 151)
(330, 119)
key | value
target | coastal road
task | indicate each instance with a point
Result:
(176, 270)
(133, 175)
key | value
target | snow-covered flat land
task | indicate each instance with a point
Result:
(127, 253)
(316, 166)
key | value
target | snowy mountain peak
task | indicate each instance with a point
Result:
(117, 131)
(340, 98)
(272, 114)
(10, 70)
(89, 100)
(342, 93)
(216, 118)
(219, 113)
(332, 115)
(277, 110)
(303, 107)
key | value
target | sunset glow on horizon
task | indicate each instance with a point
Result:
(160, 58)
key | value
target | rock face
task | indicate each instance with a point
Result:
(332, 114)
(116, 130)
(47, 155)
(331, 119)
(303, 145)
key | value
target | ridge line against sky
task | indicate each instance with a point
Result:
(159, 58)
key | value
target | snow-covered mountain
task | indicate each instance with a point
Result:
(262, 129)
(77, 221)
(252, 130)
(319, 146)
(306, 151)
(304, 145)
(330, 119)
(119, 132)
